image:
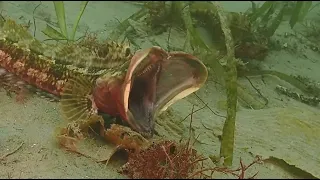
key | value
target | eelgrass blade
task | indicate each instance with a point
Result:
(60, 13)
(75, 26)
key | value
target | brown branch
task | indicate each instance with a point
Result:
(192, 113)
(206, 104)
(191, 118)
(259, 92)
(169, 159)
(243, 168)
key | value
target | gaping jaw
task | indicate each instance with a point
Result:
(155, 80)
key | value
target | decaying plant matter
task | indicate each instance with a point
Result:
(162, 160)
(158, 15)
(239, 172)
(248, 44)
(167, 159)
(310, 89)
(313, 101)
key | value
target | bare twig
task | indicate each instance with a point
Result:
(191, 118)
(208, 106)
(12, 152)
(242, 169)
(258, 91)
(214, 134)
(190, 114)
(169, 159)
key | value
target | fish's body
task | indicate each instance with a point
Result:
(91, 77)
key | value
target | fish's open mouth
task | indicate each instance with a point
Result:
(142, 98)
(155, 80)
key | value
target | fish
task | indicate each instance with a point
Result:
(103, 77)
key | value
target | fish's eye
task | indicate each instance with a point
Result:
(124, 134)
(127, 52)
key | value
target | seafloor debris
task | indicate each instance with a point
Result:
(313, 101)
(311, 87)
(248, 43)
(11, 152)
(251, 50)
(167, 159)
(158, 15)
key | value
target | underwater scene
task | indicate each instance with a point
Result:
(160, 89)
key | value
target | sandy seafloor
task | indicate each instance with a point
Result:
(286, 129)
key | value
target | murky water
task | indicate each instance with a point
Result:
(154, 67)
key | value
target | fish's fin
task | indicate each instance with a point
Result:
(109, 55)
(93, 55)
(76, 104)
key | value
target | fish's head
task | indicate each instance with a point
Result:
(137, 89)
(155, 79)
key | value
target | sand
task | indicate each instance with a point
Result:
(286, 129)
